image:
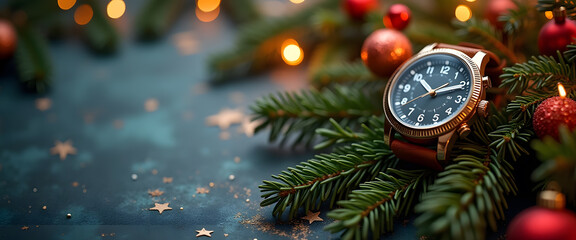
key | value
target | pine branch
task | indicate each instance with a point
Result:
(258, 42)
(372, 129)
(466, 197)
(570, 53)
(327, 177)
(156, 17)
(542, 72)
(558, 161)
(33, 63)
(341, 73)
(483, 32)
(369, 211)
(302, 113)
(515, 19)
(101, 35)
(242, 11)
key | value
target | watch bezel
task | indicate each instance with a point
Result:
(465, 113)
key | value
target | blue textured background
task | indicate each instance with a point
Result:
(90, 93)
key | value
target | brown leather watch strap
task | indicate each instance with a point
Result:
(415, 154)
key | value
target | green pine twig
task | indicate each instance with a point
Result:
(302, 113)
(326, 178)
(32, 60)
(542, 73)
(99, 32)
(156, 17)
(368, 212)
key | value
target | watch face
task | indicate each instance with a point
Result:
(430, 91)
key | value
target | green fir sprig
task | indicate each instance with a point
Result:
(302, 113)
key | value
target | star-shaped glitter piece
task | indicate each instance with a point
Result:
(204, 232)
(161, 207)
(202, 190)
(151, 105)
(167, 179)
(63, 149)
(225, 118)
(313, 217)
(155, 193)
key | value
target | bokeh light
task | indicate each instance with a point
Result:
(463, 13)
(116, 8)
(83, 14)
(549, 14)
(207, 16)
(66, 4)
(297, 1)
(292, 54)
(470, 0)
(208, 5)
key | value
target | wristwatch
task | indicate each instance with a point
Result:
(431, 100)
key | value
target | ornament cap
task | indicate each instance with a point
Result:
(559, 15)
(552, 199)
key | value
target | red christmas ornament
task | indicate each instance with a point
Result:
(8, 38)
(398, 17)
(556, 34)
(384, 50)
(552, 113)
(357, 9)
(549, 221)
(495, 9)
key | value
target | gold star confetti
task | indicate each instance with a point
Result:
(247, 126)
(154, 171)
(225, 234)
(225, 118)
(161, 207)
(25, 228)
(237, 159)
(204, 232)
(211, 184)
(155, 193)
(63, 149)
(43, 104)
(167, 179)
(313, 217)
(202, 190)
(151, 105)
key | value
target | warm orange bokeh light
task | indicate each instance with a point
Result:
(207, 16)
(470, 0)
(292, 54)
(548, 14)
(116, 8)
(297, 1)
(66, 4)
(463, 13)
(83, 14)
(561, 90)
(208, 5)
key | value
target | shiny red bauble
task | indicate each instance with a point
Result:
(552, 113)
(8, 39)
(540, 223)
(556, 34)
(357, 9)
(495, 9)
(398, 17)
(384, 50)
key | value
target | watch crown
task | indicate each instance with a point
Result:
(482, 109)
(463, 130)
(486, 83)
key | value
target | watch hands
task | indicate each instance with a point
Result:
(425, 85)
(431, 92)
(456, 87)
